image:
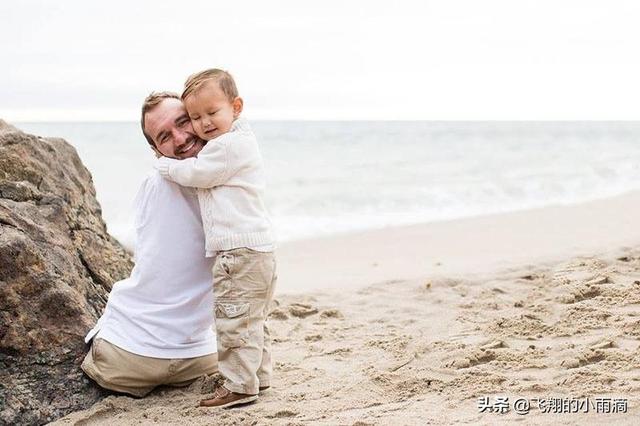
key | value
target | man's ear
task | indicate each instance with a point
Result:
(238, 103)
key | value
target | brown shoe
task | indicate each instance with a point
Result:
(223, 398)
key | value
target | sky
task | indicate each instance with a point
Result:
(81, 60)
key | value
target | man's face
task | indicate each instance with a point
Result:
(170, 128)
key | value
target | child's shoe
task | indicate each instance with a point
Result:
(223, 398)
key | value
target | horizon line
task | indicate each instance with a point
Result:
(534, 120)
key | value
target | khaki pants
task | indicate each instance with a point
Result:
(114, 368)
(243, 285)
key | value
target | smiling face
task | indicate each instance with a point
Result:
(169, 126)
(211, 111)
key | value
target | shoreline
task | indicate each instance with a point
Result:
(460, 247)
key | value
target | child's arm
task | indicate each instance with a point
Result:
(219, 160)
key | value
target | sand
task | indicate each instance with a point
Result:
(460, 247)
(422, 321)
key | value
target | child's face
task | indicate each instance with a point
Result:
(211, 111)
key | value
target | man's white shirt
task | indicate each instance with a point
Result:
(165, 308)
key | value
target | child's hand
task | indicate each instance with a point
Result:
(161, 163)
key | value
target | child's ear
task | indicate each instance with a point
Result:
(238, 103)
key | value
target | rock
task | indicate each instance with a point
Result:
(57, 266)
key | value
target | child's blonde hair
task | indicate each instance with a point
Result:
(223, 78)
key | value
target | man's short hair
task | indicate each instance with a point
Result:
(223, 78)
(150, 102)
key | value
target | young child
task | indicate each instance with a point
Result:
(229, 175)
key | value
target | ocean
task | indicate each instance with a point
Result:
(340, 176)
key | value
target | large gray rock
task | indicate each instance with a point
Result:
(57, 266)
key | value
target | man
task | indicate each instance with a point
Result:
(157, 326)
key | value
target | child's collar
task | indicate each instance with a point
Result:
(241, 124)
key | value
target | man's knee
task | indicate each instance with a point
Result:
(190, 369)
(209, 364)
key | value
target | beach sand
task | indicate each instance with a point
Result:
(413, 325)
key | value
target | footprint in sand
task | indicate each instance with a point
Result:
(313, 338)
(472, 360)
(587, 292)
(302, 310)
(282, 414)
(279, 314)
(593, 357)
(331, 313)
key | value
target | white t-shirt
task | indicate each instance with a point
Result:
(165, 308)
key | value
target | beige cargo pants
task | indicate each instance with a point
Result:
(243, 285)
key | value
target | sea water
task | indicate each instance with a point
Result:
(342, 176)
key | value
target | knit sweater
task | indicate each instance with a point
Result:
(229, 175)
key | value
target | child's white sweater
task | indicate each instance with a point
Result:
(229, 175)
